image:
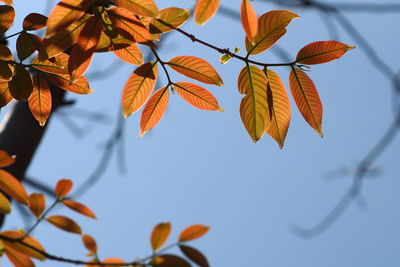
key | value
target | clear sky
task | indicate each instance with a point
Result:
(202, 167)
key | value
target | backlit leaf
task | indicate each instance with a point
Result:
(111, 260)
(80, 86)
(159, 235)
(65, 223)
(321, 52)
(20, 247)
(37, 204)
(79, 207)
(8, 2)
(279, 105)
(271, 27)
(5, 53)
(174, 18)
(195, 68)
(40, 99)
(6, 72)
(90, 243)
(254, 109)
(12, 187)
(205, 10)
(63, 187)
(7, 15)
(48, 66)
(5, 159)
(5, 95)
(197, 96)
(27, 44)
(21, 84)
(194, 255)
(193, 232)
(154, 110)
(18, 259)
(138, 88)
(64, 14)
(5, 206)
(168, 260)
(145, 8)
(307, 99)
(249, 20)
(34, 21)
(110, 43)
(130, 54)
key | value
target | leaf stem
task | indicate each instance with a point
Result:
(162, 65)
(12, 35)
(42, 217)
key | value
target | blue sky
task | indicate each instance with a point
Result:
(202, 167)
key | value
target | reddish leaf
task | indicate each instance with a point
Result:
(130, 54)
(5, 95)
(8, 2)
(40, 100)
(7, 15)
(6, 159)
(37, 204)
(21, 84)
(172, 17)
(194, 255)
(197, 96)
(63, 187)
(138, 88)
(322, 52)
(249, 20)
(154, 110)
(193, 232)
(90, 243)
(159, 235)
(112, 260)
(168, 260)
(145, 8)
(12, 187)
(34, 21)
(205, 10)
(18, 259)
(5, 206)
(27, 44)
(65, 223)
(20, 247)
(195, 68)
(79, 207)
(307, 99)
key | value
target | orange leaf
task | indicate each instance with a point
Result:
(205, 10)
(168, 260)
(79, 207)
(34, 21)
(194, 255)
(145, 8)
(27, 44)
(7, 15)
(5, 53)
(65, 223)
(6, 72)
(21, 85)
(307, 99)
(64, 14)
(195, 68)
(5, 95)
(20, 244)
(6, 159)
(138, 88)
(5, 206)
(8, 2)
(159, 235)
(130, 54)
(254, 109)
(90, 243)
(279, 105)
(197, 96)
(112, 260)
(193, 232)
(37, 204)
(80, 86)
(48, 66)
(154, 110)
(63, 187)
(18, 259)
(249, 20)
(108, 42)
(322, 52)
(174, 18)
(12, 187)
(271, 27)
(40, 99)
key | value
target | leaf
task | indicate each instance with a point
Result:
(6, 159)
(145, 8)
(205, 10)
(307, 99)
(8, 2)
(195, 68)
(193, 232)
(18, 259)
(79, 207)
(90, 243)
(174, 18)
(65, 223)
(34, 21)
(37, 204)
(154, 110)
(20, 247)
(197, 96)
(271, 27)
(5, 206)
(138, 88)
(112, 260)
(322, 52)
(82, 52)
(110, 43)
(64, 14)
(49, 67)
(40, 100)
(254, 109)
(159, 235)
(249, 20)
(168, 260)
(194, 255)
(27, 44)
(130, 54)
(7, 15)
(21, 84)
(63, 187)
(6, 72)
(279, 105)
(80, 86)
(5, 53)
(5, 95)
(12, 187)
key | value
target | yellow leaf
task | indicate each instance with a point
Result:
(79, 207)
(5, 159)
(65, 223)
(159, 235)
(63, 187)
(138, 88)
(271, 27)
(7, 15)
(322, 52)
(193, 232)
(154, 110)
(20, 244)
(197, 96)
(146, 8)
(205, 10)
(130, 54)
(12, 187)
(37, 204)
(307, 99)
(5, 207)
(195, 68)
(249, 20)
(40, 99)
(174, 18)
